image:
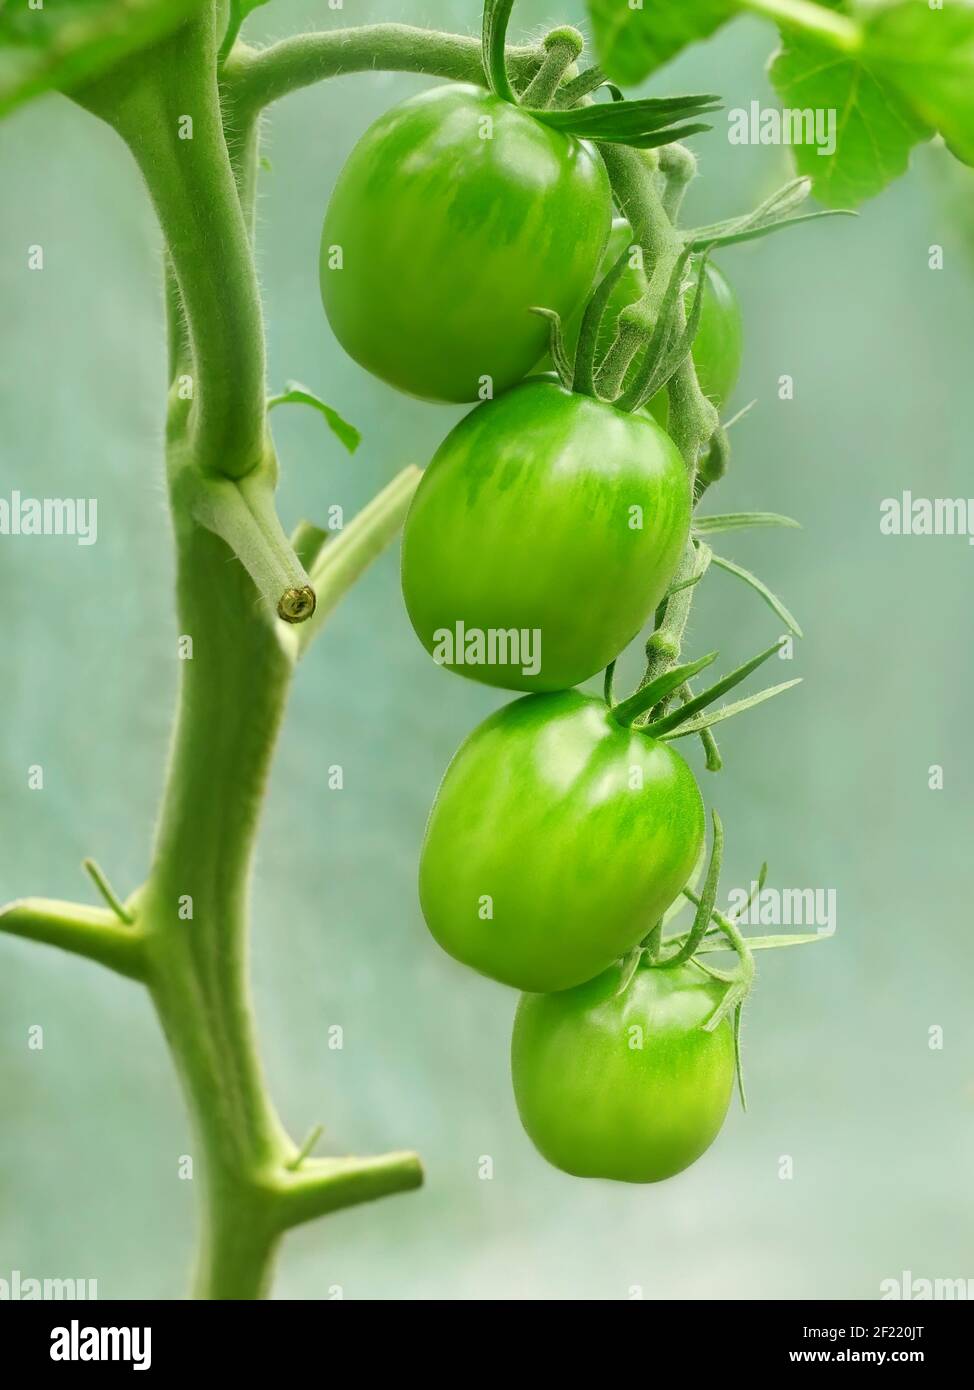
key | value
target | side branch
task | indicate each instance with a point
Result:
(255, 78)
(243, 514)
(363, 540)
(85, 931)
(323, 1185)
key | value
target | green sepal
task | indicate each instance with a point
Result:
(643, 124)
(588, 334)
(706, 721)
(759, 587)
(729, 238)
(685, 713)
(556, 346)
(575, 88)
(740, 521)
(762, 943)
(643, 386)
(708, 901)
(649, 695)
(660, 365)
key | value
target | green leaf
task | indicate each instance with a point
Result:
(928, 56)
(632, 43)
(875, 126)
(773, 602)
(69, 42)
(296, 394)
(714, 692)
(740, 521)
(706, 721)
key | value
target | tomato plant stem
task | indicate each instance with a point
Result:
(562, 47)
(165, 104)
(693, 418)
(255, 78)
(185, 933)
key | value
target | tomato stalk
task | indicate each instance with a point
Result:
(253, 79)
(184, 933)
(561, 47)
(678, 166)
(166, 106)
(497, 14)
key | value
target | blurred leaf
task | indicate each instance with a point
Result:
(929, 56)
(72, 41)
(633, 43)
(875, 126)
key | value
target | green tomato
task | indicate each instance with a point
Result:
(718, 346)
(624, 1084)
(548, 525)
(557, 840)
(455, 214)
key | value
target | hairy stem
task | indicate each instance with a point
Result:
(561, 47)
(84, 931)
(693, 419)
(165, 104)
(255, 78)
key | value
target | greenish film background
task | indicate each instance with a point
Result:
(829, 784)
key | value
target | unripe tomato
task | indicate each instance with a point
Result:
(624, 1085)
(455, 214)
(557, 840)
(718, 346)
(552, 518)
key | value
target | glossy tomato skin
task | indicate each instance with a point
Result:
(524, 521)
(718, 346)
(625, 1085)
(556, 841)
(449, 239)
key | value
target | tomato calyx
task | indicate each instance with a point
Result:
(661, 345)
(643, 124)
(652, 952)
(651, 698)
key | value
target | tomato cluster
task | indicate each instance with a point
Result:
(543, 536)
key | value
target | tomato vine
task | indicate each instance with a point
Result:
(183, 933)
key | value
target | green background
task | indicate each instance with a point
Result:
(830, 784)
